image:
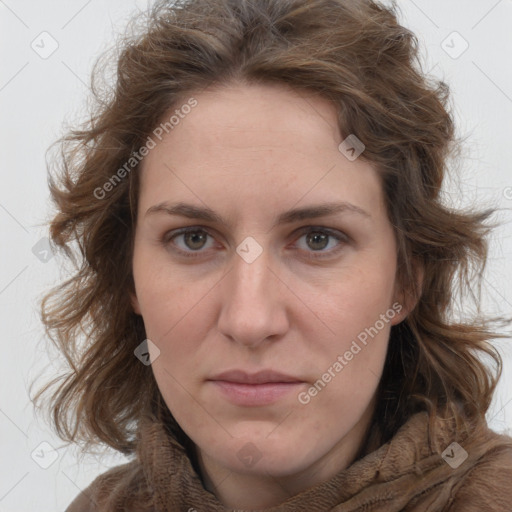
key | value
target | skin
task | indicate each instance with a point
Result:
(251, 152)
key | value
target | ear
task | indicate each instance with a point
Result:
(135, 303)
(404, 301)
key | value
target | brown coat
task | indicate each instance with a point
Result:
(403, 474)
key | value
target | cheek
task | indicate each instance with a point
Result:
(170, 300)
(176, 322)
(357, 308)
(357, 296)
(350, 362)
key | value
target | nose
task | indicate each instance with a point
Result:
(253, 308)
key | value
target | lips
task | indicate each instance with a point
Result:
(261, 377)
(255, 389)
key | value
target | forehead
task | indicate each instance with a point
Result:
(258, 145)
(243, 117)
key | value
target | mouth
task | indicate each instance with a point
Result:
(256, 389)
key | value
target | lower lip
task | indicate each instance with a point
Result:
(256, 394)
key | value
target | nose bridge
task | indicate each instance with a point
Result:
(250, 284)
(251, 309)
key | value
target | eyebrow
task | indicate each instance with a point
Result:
(297, 214)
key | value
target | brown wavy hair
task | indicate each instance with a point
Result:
(352, 52)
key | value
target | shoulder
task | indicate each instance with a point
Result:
(108, 487)
(488, 484)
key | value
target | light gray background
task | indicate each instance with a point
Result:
(38, 94)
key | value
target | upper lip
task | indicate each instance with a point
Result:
(261, 377)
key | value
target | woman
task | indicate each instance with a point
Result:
(266, 272)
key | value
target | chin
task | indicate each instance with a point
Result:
(279, 457)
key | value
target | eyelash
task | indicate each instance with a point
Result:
(340, 237)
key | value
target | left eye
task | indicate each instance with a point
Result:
(319, 239)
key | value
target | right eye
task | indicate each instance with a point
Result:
(188, 242)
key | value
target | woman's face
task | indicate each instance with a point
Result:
(295, 301)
